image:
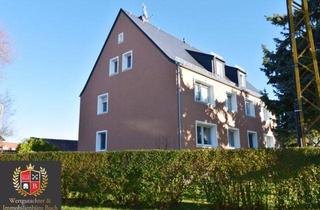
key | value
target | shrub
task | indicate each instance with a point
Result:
(226, 179)
(35, 145)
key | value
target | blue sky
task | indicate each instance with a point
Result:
(56, 43)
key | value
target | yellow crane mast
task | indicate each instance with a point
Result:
(306, 70)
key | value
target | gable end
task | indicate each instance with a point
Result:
(114, 23)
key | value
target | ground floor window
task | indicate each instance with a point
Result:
(206, 134)
(252, 139)
(233, 138)
(101, 141)
(269, 141)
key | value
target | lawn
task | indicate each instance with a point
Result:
(85, 207)
(184, 205)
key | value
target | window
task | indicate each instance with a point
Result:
(266, 114)
(231, 102)
(242, 80)
(269, 141)
(250, 110)
(203, 93)
(252, 139)
(219, 68)
(233, 138)
(101, 141)
(102, 104)
(114, 66)
(206, 134)
(120, 38)
(127, 61)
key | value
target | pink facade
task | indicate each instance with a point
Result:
(149, 106)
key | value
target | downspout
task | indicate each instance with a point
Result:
(178, 83)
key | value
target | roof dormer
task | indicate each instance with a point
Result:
(241, 77)
(219, 67)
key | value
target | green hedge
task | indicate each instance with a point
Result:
(226, 179)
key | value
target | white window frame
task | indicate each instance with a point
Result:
(242, 83)
(99, 104)
(234, 105)
(273, 141)
(256, 134)
(124, 61)
(251, 109)
(265, 114)
(111, 73)
(210, 92)
(213, 134)
(236, 140)
(223, 71)
(120, 38)
(98, 145)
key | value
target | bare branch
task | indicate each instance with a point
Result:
(5, 115)
(5, 52)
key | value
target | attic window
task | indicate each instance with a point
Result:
(219, 68)
(242, 80)
(120, 38)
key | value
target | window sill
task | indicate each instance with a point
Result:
(102, 113)
(204, 146)
(101, 150)
(232, 148)
(205, 103)
(114, 74)
(128, 69)
(232, 111)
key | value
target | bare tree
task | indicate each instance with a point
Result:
(6, 113)
(4, 48)
(5, 102)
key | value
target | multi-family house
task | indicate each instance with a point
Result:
(150, 90)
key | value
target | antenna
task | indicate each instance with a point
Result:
(145, 16)
(1, 114)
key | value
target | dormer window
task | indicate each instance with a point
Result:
(219, 68)
(242, 80)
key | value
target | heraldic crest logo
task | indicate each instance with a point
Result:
(30, 181)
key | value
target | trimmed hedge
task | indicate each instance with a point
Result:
(288, 178)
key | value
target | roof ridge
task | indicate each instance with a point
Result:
(165, 32)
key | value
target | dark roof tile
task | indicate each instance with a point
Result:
(174, 47)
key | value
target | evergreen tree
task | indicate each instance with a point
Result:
(278, 67)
